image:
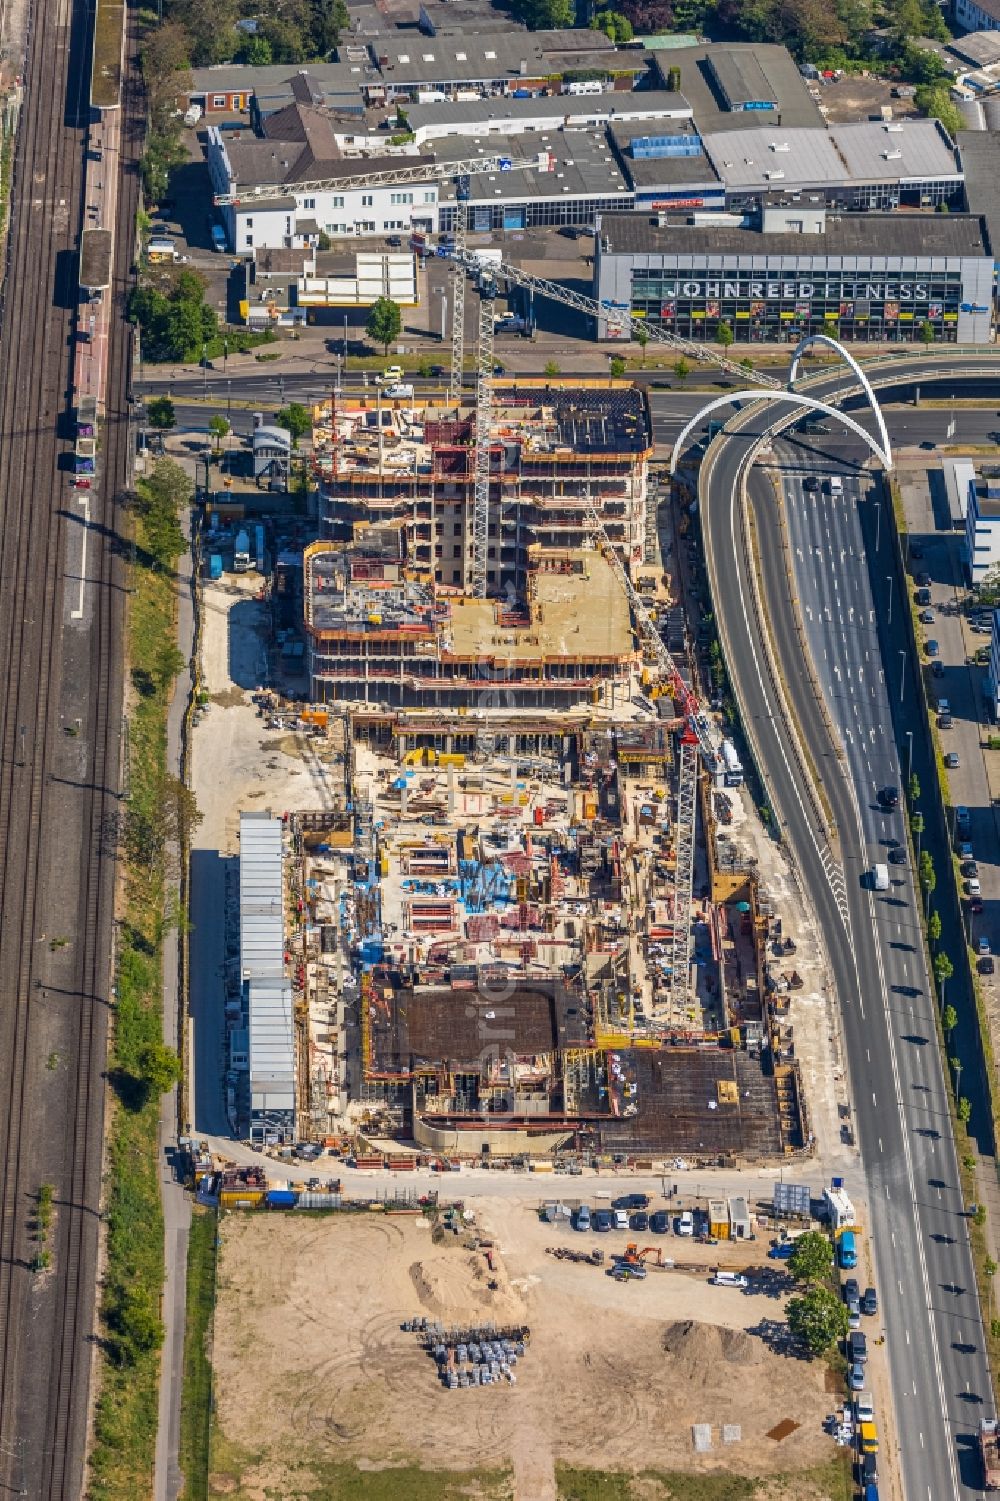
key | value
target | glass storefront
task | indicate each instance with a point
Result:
(771, 306)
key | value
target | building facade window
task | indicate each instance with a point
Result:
(219, 101)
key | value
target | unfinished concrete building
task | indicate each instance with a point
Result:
(380, 632)
(553, 453)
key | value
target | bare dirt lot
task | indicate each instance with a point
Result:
(313, 1364)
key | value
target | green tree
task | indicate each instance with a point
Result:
(642, 339)
(818, 1318)
(964, 1111)
(545, 15)
(256, 52)
(159, 1067)
(384, 322)
(811, 1258)
(296, 419)
(724, 335)
(746, 364)
(917, 828)
(551, 369)
(681, 370)
(932, 99)
(160, 412)
(927, 331)
(616, 27)
(927, 876)
(943, 971)
(219, 428)
(934, 928)
(134, 1322)
(617, 367)
(913, 788)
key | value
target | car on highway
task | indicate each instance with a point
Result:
(869, 1302)
(926, 617)
(659, 1222)
(931, 648)
(897, 856)
(952, 761)
(888, 797)
(811, 482)
(393, 374)
(856, 1377)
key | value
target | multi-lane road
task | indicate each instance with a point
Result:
(844, 711)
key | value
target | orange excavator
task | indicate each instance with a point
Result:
(634, 1257)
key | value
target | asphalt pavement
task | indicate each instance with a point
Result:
(940, 1379)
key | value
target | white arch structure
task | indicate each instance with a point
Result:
(866, 386)
(810, 403)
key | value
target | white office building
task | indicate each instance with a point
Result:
(982, 525)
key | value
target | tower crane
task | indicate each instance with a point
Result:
(695, 736)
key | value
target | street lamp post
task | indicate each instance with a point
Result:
(909, 754)
(878, 523)
(204, 371)
(902, 677)
(888, 579)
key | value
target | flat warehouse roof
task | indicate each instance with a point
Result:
(741, 77)
(584, 167)
(915, 236)
(458, 112)
(796, 107)
(760, 155)
(869, 150)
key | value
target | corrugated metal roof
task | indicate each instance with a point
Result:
(869, 150)
(262, 956)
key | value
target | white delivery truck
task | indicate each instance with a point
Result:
(880, 877)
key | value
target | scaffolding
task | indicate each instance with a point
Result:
(687, 804)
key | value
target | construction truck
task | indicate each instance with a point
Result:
(989, 1453)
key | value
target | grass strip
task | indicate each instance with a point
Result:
(825, 1482)
(196, 1399)
(121, 1463)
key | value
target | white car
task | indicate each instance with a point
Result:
(621, 1219)
(685, 1223)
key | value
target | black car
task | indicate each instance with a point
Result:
(393, 241)
(889, 797)
(857, 1347)
(916, 550)
(897, 856)
(924, 580)
(639, 1220)
(923, 596)
(659, 1222)
(849, 1289)
(869, 1303)
(631, 1201)
(810, 482)
(937, 668)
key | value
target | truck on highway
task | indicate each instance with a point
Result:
(880, 878)
(989, 1453)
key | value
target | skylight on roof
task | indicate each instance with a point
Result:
(461, 57)
(404, 57)
(491, 56)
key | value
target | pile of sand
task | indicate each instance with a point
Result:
(701, 1347)
(455, 1285)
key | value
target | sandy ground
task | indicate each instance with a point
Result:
(614, 1377)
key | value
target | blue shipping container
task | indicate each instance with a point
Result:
(215, 566)
(280, 1198)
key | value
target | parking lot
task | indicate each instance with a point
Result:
(954, 678)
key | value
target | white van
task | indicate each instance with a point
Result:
(880, 877)
(730, 1279)
(586, 86)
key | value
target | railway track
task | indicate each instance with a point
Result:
(60, 720)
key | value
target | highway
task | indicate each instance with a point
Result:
(918, 1230)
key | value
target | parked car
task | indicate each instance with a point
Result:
(922, 596)
(926, 617)
(639, 1220)
(964, 849)
(394, 242)
(659, 1222)
(621, 1219)
(945, 721)
(631, 1201)
(869, 1303)
(970, 868)
(984, 944)
(849, 1289)
(944, 706)
(603, 1220)
(853, 1313)
(931, 648)
(937, 669)
(781, 1250)
(856, 1377)
(952, 761)
(582, 1220)
(973, 887)
(976, 906)
(685, 1223)
(857, 1346)
(924, 580)
(962, 817)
